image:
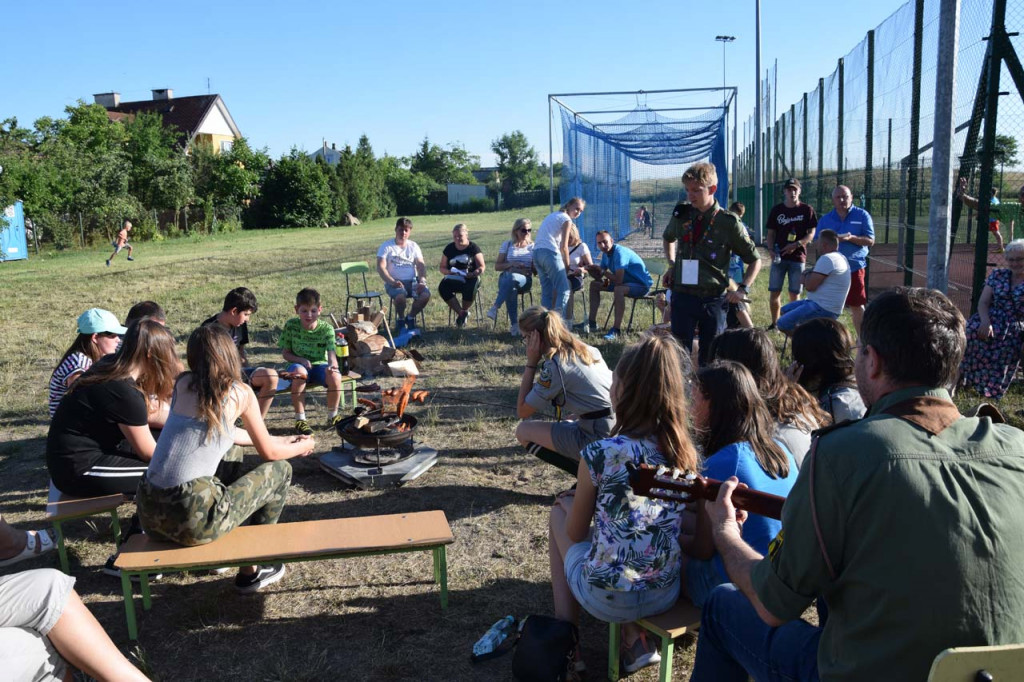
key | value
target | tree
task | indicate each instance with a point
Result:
(295, 193)
(445, 165)
(409, 190)
(1005, 150)
(364, 181)
(517, 162)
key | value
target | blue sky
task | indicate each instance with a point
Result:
(295, 73)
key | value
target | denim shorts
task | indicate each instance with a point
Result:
(402, 289)
(800, 311)
(782, 269)
(315, 375)
(614, 606)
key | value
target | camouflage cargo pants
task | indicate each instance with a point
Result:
(203, 509)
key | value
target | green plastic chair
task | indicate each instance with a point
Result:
(359, 268)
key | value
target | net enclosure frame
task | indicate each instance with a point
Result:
(603, 145)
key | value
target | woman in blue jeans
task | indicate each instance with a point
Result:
(515, 263)
(551, 255)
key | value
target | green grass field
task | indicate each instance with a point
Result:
(369, 618)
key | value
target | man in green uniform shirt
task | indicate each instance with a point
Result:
(699, 241)
(906, 524)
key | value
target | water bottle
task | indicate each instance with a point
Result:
(342, 351)
(498, 633)
(776, 255)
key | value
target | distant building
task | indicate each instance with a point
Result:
(332, 156)
(483, 175)
(198, 118)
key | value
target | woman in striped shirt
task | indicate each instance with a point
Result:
(515, 263)
(99, 332)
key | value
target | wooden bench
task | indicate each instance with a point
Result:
(286, 543)
(682, 618)
(348, 388)
(61, 508)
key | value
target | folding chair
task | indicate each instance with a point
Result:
(523, 293)
(657, 270)
(477, 308)
(359, 268)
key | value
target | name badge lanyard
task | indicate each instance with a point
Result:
(696, 236)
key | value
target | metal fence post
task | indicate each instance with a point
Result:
(915, 133)
(821, 139)
(839, 131)
(869, 141)
(806, 156)
(81, 228)
(942, 158)
(792, 139)
(888, 183)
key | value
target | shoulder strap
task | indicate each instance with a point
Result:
(814, 508)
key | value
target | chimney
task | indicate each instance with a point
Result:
(110, 100)
(163, 94)
(334, 147)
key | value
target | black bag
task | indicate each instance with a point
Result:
(546, 650)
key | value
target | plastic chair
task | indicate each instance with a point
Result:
(657, 270)
(523, 293)
(359, 268)
(978, 664)
(477, 308)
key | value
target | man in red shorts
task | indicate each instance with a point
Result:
(856, 235)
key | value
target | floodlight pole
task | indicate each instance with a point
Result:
(758, 170)
(725, 40)
(551, 162)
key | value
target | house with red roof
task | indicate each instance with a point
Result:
(202, 119)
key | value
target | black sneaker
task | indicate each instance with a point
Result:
(303, 428)
(264, 575)
(460, 321)
(771, 328)
(114, 571)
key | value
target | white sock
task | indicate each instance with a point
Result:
(300, 416)
(332, 414)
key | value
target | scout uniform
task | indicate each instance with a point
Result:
(920, 546)
(700, 274)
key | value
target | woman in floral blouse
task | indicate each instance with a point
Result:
(995, 333)
(628, 568)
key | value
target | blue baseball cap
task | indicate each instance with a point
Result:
(98, 321)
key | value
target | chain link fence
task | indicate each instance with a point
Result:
(868, 125)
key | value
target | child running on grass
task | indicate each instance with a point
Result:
(180, 498)
(122, 241)
(308, 343)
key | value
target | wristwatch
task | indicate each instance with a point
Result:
(744, 288)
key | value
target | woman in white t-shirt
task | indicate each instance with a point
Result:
(579, 259)
(515, 263)
(551, 255)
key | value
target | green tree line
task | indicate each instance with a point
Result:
(80, 175)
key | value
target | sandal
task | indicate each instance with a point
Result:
(37, 543)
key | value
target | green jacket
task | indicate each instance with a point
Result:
(725, 236)
(921, 519)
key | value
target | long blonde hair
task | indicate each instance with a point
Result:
(574, 235)
(649, 397)
(555, 335)
(148, 350)
(579, 201)
(214, 369)
(516, 236)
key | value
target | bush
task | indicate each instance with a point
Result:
(144, 228)
(475, 205)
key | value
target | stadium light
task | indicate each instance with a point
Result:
(725, 40)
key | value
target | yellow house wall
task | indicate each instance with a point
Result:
(210, 139)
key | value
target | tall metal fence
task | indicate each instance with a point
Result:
(869, 123)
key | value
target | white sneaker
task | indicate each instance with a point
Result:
(492, 313)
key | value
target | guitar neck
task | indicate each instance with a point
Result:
(664, 484)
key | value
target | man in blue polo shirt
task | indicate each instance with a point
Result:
(622, 272)
(856, 235)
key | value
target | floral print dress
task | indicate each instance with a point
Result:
(988, 366)
(635, 545)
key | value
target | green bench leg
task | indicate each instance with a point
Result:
(147, 601)
(667, 648)
(441, 573)
(115, 525)
(129, 606)
(62, 551)
(614, 635)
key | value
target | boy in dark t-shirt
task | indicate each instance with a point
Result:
(790, 228)
(239, 305)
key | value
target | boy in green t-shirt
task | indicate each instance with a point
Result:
(308, 343)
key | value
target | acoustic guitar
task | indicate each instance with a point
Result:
(674, 485)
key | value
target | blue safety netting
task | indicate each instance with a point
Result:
(618, 166)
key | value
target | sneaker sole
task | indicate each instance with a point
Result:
(641, 663)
